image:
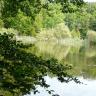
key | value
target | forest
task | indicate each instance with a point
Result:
(21, 70)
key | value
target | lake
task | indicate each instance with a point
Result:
(70, 89)
(83, 60)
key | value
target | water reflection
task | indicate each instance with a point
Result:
(21, 71)
(48, 49)
(82, 58)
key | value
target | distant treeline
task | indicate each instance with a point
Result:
(30, 16)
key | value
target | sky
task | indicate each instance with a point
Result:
(90, 0)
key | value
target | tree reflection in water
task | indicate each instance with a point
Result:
(21, 71)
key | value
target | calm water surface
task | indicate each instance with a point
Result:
(70, 89)
(83, 60)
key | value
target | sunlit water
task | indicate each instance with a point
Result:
(70, 89)
(83, 59)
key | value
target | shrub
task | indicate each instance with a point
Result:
(58, 32)
(9, 30)
(1, 23)
(22, 23)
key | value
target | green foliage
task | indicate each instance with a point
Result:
(91, 9)
(75, 33)
(60, 31)
(8, 31)
(21, 71)
(38, 22)
(29, 7)
(76, 21)
(69, 5)
(22, 23)
(93, 23)
(20, 15)
(91, 36)
(1, 23)
(30, 16)
(52, 15)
